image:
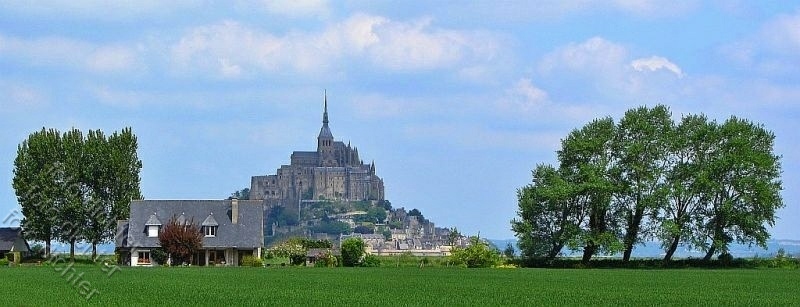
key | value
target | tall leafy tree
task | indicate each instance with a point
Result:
(99, 223)
(37, 172)
(587, 161)
(744, 179)
(549, 215)
(74, 188)
(641, 148)
(74, 191)
(686, 183)
(125, 165)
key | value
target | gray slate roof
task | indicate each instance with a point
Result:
(247, 233)
(153, 220)
(8, 235)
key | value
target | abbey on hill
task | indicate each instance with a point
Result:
(333, 172)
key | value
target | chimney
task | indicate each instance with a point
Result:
(234, 210)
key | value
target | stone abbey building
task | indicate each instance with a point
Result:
(333, 171)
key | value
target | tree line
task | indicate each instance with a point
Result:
(696, 183)
(74, 187)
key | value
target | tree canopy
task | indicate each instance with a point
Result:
(75, 186)
(695, 183)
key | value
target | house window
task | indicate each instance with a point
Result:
(152, 231)
(144, 258)
(211, 231)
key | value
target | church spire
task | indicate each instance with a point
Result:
(325, 114)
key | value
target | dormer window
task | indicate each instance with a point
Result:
(152, 231)
(210, 226)
(210, 231)
(152, 226)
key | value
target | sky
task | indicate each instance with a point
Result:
(455, 101)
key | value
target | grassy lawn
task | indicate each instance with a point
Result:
(396, 286)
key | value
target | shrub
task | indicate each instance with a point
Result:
(725, 258)
(181, 239)
(477, 255)
(352, 251)
(252, 261)
(3, 262)
(159, 256)
(371, 261)
(37, 251)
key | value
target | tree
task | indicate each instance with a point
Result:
(37, 173)
(363, 229)
(353, 250)
(74, 188)
(376, 214)
(123, 185)
(477, 255)
(453, 236)
(744, 179)
(587, 165)
(415, 212)
(686, 183)
(509, 251)
(548, 217)
(72, 208)
(241, 194)
(181, 239)
(641, 143)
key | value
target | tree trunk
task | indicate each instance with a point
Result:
(47, 249)
(710, 253)
(672, 247)
(554, 252)
(632, 233)
(588, 252)
(94, 251)
(72, 249)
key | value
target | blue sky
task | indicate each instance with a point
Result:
(456, 102)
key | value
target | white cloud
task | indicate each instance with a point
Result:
(96, 9)
(772, 50)
(655, 63)
(66, 52)
(523, 97)
(19, 97)
(386, 44)
(600, 69)
(654, 8)
(111, 59)
(595, 55)
(297, 8)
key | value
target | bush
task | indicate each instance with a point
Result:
(477, 255)
(725, 258)
(37, 251)
(352, 251)
(371, 261)
(252, 261)
(159, 256)
(3, 262)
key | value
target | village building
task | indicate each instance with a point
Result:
(12, 243)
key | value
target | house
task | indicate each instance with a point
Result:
(12, 243)
(232, 229)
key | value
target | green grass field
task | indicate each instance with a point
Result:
(34, 286)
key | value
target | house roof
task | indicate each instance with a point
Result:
(247, 233)
(210, 221)
(9, 236)
(153, 221)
